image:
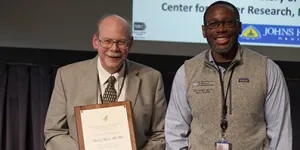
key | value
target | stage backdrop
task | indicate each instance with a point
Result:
(169, 27)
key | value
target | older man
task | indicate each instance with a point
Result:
(85, 82)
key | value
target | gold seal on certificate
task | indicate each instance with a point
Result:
(105, 126)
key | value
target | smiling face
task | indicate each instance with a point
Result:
(112, 43)
(221, 29)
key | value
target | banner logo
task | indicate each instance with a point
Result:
(251, 33)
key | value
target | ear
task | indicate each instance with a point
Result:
(130, 42)
(203, 31)
(240, 28)
(95, 42)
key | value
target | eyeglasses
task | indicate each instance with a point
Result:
(108, 43)
(226, 23)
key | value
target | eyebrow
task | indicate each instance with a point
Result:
(114, 39)
(224, 19)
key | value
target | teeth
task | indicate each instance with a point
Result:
(221, 38)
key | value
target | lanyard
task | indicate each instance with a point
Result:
(224, 122)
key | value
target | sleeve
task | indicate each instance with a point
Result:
(277, 109)
(157, 139)
(56, 126)
(178, 116)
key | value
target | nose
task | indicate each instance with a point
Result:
(115, 46)
(221, 28)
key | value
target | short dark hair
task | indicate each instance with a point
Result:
(236, 11)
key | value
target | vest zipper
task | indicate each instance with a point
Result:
(234, 63)
(218, 74)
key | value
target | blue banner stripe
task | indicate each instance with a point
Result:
(273, 34)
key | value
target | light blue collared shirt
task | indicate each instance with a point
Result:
(277, 111)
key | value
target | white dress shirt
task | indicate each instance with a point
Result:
(104, 75)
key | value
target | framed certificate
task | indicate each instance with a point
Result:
(105, 126)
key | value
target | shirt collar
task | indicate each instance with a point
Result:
(236, 58)
(104, 75)
(210, 58)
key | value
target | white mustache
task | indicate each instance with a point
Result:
(113, 54)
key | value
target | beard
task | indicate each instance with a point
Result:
(222, 50)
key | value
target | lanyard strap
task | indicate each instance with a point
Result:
(224, 122)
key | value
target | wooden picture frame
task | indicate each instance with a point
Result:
(101, 126)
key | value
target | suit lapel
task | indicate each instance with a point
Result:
(133, 83)
(89, 83)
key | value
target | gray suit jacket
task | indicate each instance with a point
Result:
(76, 84)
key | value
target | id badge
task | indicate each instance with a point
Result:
(223, 145)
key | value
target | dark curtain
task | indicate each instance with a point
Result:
(294, 86)
(25, 92)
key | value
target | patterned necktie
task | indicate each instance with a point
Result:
(110, 93)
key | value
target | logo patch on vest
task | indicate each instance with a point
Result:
(196, 84)
(203, 83)
(207, 83)
(204, 86)
(245, 80)
(201, 91)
